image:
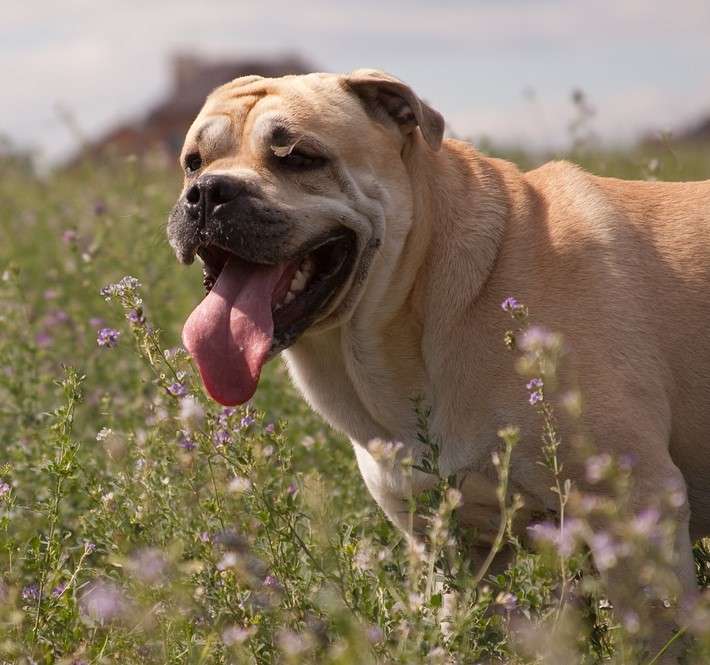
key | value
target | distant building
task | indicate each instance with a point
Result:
(162, 130)
(697, 133)
(693, 134)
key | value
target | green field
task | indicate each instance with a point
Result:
(139, 524)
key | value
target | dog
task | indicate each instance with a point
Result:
(338, 227)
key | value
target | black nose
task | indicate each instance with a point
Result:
(211, 191)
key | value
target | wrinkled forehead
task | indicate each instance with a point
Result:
(247, 114)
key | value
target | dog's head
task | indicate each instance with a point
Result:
(296, 190)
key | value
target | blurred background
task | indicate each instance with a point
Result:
(91, 78)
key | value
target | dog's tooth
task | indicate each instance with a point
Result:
(289, 297)
(298, 281)
(306, 266)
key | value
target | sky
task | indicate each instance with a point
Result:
(501, 69)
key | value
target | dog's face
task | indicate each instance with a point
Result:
(296, 191)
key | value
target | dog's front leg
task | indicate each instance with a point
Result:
(650, 597)
(386, 468)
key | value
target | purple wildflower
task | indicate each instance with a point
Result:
(374, 634)
(627, 461)
(204, 537)
(191, 411)
(604, 550)
(43, 339)
(508, 601)
(173, 353)
(89, 547)
(292, 644)
(99, 208)
(56, 317)
(221, 437)
(69, 236)
(108, 337)
(572, 402)
(510, 305)
(563, 540)
(125, 286)
(237, 634)
(270, 582)
(96, 322)
(229, 560)
(270, 428)
(185, 441)
(225, 415)
(239, 484)
(645, 523)
(544, 531)
(4, 488)
(148, 565)
(535, 387)
(598, 467)
(589, 503)
(246, 421)
(103, 602)
(631, 621)
(292, 489)
(136, 317)
(537, 338)
(30, 592)
(59, 589)
(177, 389)
(51, 294)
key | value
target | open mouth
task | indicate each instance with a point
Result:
(252, 310)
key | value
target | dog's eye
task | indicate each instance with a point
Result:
(193, 162)
(298, 159)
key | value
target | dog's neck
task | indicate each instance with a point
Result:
(466, 205)
(353, 375)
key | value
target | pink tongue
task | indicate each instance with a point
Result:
(229, 333)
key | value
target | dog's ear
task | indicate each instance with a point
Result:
(384, 93)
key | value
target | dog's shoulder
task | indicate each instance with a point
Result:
(571, 202)
(563, 181)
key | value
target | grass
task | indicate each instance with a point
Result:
(139, 523)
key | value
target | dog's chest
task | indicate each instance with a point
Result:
(363, 401)
(321, 374)
(371, 408)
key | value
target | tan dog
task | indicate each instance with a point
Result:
(334, 223)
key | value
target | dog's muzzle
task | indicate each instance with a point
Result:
(263, 290)
(226, 212)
